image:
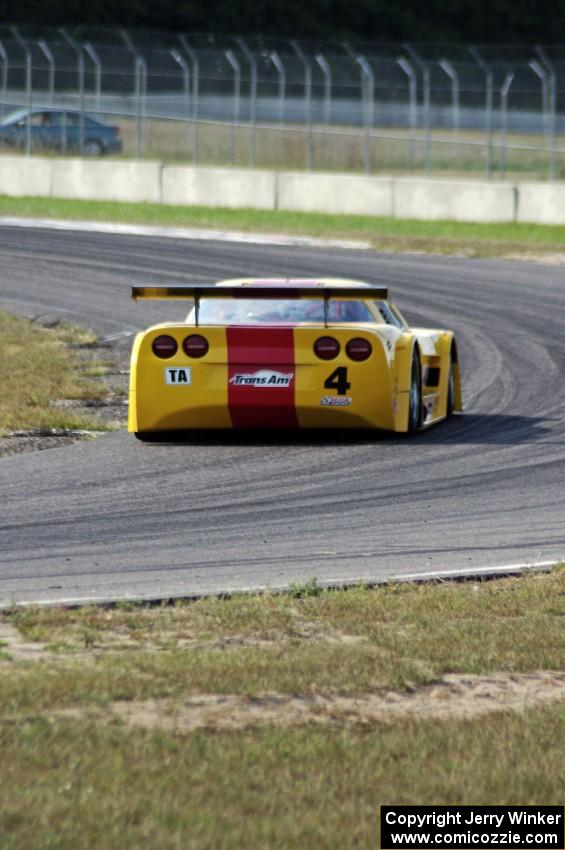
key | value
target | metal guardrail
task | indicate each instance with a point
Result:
(497, 102)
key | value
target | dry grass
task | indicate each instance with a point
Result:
(262, 721)
(335, 642)
(343, 148)
(305, 643)
(79, 785)
(40, 368)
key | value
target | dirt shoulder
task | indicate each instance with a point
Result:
(451, 698)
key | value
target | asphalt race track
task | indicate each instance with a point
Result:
(115, 518)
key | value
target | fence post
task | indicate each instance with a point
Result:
(80, 69)
(327, 72)
(368, 84)
(307, 101)
(180, 60)
(426, 106)
(552, 108)
(5, 67)
(449, 69)
(253, 100)
(236, 68)
(542, 75)
(413, 90)
(504, 121)
(367, 101)
(191, 53)
(489, 87)
(51, 62)
(140, 90)
(278, 63)
(97, 75)
(29, 94)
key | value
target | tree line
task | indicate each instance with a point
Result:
(458, 21)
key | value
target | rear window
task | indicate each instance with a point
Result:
(238, 311)
(390, 315)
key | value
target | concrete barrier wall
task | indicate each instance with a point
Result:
(541, 203)
(336, 193)
(399, 197)
(456, 200)
(219, 187)
(110, 180)
(25, 176)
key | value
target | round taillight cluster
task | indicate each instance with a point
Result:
(195, 346)
(164, 346)
(358, 349)
(326, 348)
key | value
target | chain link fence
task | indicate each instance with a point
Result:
(269, 103)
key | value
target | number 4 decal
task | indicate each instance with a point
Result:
(338, 381)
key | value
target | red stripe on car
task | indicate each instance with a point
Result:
(261, 377)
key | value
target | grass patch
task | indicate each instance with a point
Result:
(38, 366)
(445, 237)
(96, 370)
(71, 785)
(77, 776)
(339, 642)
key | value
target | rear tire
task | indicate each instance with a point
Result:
(415, 403)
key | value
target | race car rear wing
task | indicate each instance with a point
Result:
(279, 290)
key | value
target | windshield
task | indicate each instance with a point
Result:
(14, 117)
(274, 311)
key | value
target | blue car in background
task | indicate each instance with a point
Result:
(59, 130)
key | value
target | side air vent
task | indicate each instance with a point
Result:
(431, 376)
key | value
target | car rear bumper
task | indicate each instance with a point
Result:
(267, 386)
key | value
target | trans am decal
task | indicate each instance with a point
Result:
(335, 401)
(262, 378)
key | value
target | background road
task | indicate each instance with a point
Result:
(113, 518)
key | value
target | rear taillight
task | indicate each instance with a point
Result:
(195, 346)
(358, 349)
(326, 348)
(164, 346)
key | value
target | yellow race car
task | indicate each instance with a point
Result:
(289, 353)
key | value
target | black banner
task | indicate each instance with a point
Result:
(476, 827)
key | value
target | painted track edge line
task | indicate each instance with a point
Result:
(194, 233)
(325, 584)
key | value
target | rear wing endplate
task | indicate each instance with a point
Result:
(194, 292)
